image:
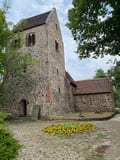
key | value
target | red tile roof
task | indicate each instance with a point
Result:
(68, 76)
(35, 21)
(100, 85)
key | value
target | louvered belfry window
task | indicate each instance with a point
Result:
(30, 39)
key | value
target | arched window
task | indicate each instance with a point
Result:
(30, 39)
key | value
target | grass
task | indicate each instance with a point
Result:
(102, 135)
(8, 145)
(96, 158)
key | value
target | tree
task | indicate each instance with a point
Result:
(95, 26)
(115, 71)
(12, 61)
(100, 74)
(116, 75)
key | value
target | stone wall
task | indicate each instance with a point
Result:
(49, 92)
(47, 86)
(34, 92)
(69, 98)
(57, 103)
(94, 102)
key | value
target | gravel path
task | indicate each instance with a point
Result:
(37, 145)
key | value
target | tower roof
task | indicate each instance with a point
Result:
(36, 20)
(32, 22)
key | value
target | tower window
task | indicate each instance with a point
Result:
(57, 72)
(16, 43)
(30, 39)
(59, 90)
(25, 68)
(56, 46)
(56, 26)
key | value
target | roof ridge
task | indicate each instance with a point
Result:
(95, 79)
(38, 15)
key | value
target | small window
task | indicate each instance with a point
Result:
(57, 72)
(56, 46)
(59, 90)
(56, 26)
(30, 39)
(25, 69)
(16, 43)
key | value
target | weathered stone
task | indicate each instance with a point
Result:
(36, 112)
(50, 93)
(94, 103)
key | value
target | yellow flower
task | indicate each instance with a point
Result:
(69, 128)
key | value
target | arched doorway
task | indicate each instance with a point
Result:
(23, 108)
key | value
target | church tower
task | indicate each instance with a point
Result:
(45, 96)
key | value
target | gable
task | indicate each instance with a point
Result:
(36, 20)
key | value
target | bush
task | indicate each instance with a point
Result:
(8, 145)
(69, 128)
(3, 116)
(117, 98)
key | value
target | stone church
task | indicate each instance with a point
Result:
(53, 91)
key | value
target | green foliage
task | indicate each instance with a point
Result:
(2, 117)
(117, 98)
(115, 70)
(8, 145)
(69, 126)
(95, 26)
(13, 63)
(4, 32)
(102, 135)
(96, 158)
(19, 26)
(100, 74)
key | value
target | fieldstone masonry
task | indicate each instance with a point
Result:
(94, 102)
(52, 90)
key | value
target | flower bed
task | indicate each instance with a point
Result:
(69, 128)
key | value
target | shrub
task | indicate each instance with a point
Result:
(8, 145)
(2, 117)
(69, 128)
(117, 98)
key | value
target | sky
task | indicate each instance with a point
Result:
(79, 69)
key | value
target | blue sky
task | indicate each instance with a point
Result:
(79, 69)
